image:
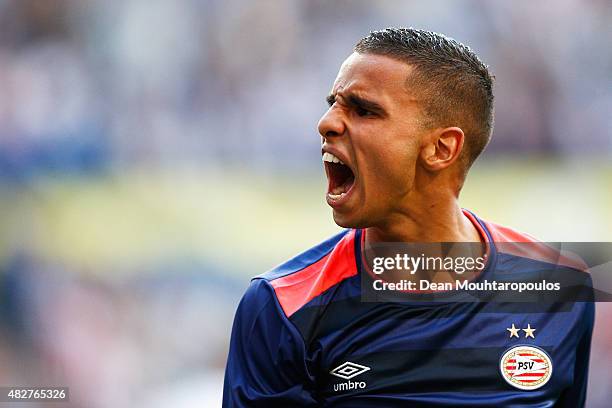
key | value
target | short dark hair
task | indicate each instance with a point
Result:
(456, 85)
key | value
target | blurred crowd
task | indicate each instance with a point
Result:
(91, 88)
(88, 85)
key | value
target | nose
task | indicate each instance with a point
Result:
(332, 123)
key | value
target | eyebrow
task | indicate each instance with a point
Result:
(358, 101)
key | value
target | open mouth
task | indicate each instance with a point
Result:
(340, 177)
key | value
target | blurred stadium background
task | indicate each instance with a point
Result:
(154, 155)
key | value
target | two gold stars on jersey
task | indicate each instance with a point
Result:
(514, 331)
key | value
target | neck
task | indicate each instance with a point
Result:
(436, 221)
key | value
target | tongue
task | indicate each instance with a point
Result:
(344, 187)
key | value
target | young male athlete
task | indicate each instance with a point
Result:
(409, 112)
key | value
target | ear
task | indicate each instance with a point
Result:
(442, 148)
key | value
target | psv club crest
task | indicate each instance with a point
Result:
(526, 367)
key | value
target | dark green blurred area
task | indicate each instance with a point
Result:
(110, 226)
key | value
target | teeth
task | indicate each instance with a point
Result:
(336, 196)
(337, 191)
(328, 157)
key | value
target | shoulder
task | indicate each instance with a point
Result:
(512, 242)
(502, 233)
(521, 252)
(304, 277)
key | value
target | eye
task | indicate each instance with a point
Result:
(363, 112)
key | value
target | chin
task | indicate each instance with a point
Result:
(349, 220)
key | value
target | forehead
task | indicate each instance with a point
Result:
(380, 77)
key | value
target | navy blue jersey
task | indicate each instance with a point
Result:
(302, 337)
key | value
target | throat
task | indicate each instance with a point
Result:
(340, 178)
(429, 226)
(344, 187)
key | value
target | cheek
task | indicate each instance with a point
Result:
(395, 179)
(390, 169)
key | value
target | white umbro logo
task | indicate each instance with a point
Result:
(349, 370)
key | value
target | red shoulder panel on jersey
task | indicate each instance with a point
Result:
(295, 290)
(514, 242)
